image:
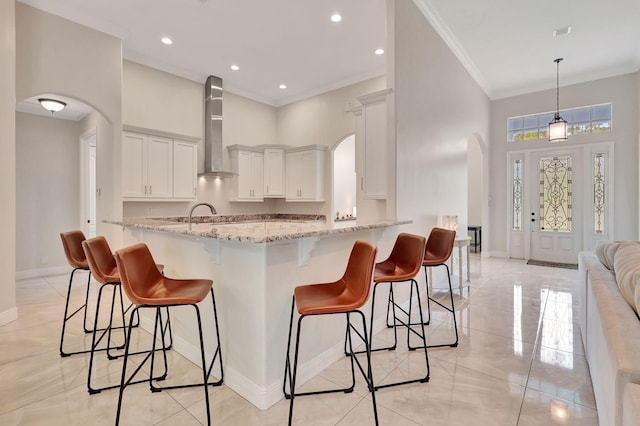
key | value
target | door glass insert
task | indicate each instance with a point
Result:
(555, 194)
(517, 195)
(598, 194)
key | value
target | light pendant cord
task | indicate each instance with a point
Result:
(557, 61)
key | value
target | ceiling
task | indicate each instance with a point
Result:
(508, 46)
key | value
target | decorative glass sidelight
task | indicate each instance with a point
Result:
(517, 195)
(555, 194)
(598, 193)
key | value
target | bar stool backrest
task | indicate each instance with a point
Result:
(439, 246)
(139, 274)
(72, 243)
(359, 273)
(406, 257)
(101, 261)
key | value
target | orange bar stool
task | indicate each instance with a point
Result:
(146, 287)
(345, 296)
(403, 265)
(438, 251)
(72, 244)
(105, 271)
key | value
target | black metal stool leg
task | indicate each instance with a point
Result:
(451, 310)
(68, 316)
(123, 381)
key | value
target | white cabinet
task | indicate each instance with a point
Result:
(185, 169)
(248, 163)
(371, 129)
(305, 173)
(147, 166)
(274, 168)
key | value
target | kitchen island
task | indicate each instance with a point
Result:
(255, 262)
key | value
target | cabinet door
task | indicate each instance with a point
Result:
(134, 172)
(274, 172)
(375, 150)
(293, 172)
(244, 175)
(185, 169)
(160, 167)
(308, 177)
(257, 176)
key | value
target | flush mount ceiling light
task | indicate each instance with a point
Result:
(558, 127)
(52, 105)
(166, 40)
(235, 67)
(336, 17)
(378, 51)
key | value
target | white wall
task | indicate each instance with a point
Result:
(438, 107)
(47, 189)
(8, 311)
(57, 56)
(622, 91)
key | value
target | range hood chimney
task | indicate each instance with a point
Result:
(213, 129)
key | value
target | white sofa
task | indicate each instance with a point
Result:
(611, 335)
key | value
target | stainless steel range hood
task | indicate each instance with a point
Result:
(213, 129)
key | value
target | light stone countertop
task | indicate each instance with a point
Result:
(254, 228)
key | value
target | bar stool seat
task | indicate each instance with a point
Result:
(146, 287)
(72, 244)
(345, 296)
(105, 271)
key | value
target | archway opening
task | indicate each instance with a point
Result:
(344, 179)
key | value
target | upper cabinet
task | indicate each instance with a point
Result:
(248, 163)
(274, 168)
(305, 173)
(185, 169)
(157, 167)
(371, 129)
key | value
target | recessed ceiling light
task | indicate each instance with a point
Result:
(562, 31)
(283, 86)
(166, 40)
(379, 51)
(336, 17)
(235, 67)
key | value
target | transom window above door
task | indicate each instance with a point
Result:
(589, 119)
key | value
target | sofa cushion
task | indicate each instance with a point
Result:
(631, 405)
(606, 250)
(627, 268)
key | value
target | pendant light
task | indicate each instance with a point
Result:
(52, 105)
(558, 127)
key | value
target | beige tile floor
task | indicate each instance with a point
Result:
(520, 362)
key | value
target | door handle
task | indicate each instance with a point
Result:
(533, 220)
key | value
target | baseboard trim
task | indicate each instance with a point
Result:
(42, 272)
(8, 316)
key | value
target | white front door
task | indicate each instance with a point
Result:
(555, 205)
(88, 185)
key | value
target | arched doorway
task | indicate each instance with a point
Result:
(344, 179)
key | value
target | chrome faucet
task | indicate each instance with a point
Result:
(213, 211)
